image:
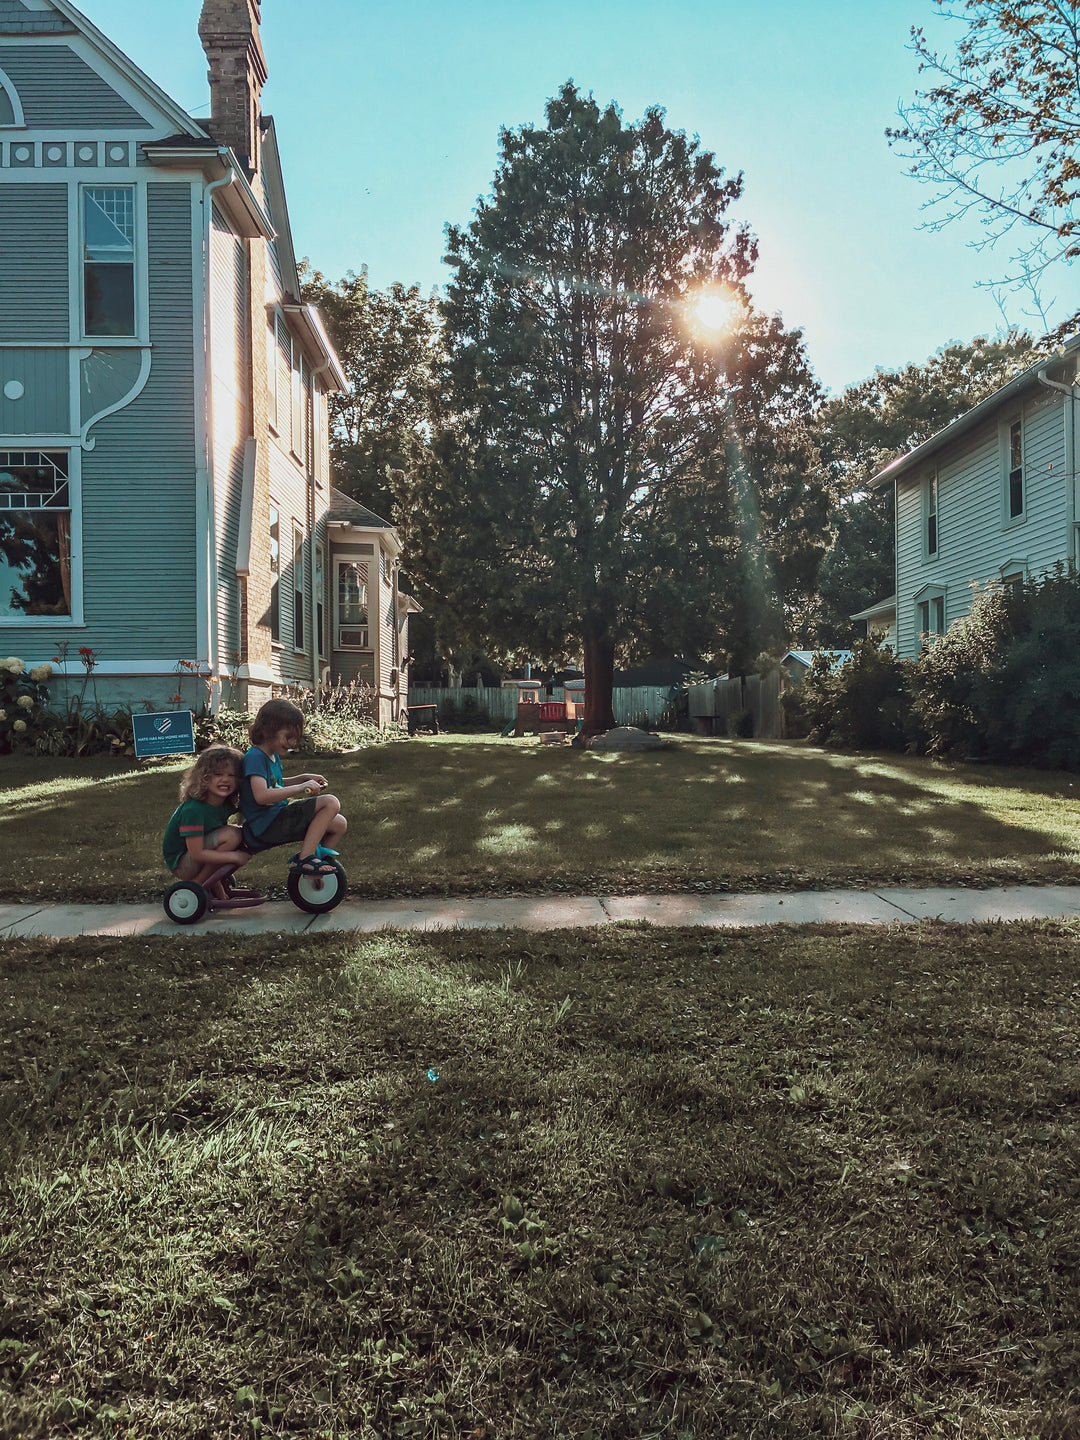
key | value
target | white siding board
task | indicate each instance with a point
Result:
(975, 536)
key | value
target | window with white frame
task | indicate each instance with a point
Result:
(35, 535)
(275, 572)
(108, 238)
(1015, 499)
(931, 502)
(930, 614)
(352, 605)
(298, 587)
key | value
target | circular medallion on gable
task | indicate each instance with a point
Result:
(55, 152)
(22, 153)
(14, 390)
(118, 152)
(87, 152)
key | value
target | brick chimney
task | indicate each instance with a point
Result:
(229, 31)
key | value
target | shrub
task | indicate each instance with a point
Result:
(1004, 683)
(86, 730)
(861, 704)
(24, 694)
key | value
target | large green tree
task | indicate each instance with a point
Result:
(607, 480)
(860, 431)
(997, 131)
(387, 341)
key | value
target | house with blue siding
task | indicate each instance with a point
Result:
(165, 486)
(992, 498)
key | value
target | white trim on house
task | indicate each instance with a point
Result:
(141, 86)
(8, 86)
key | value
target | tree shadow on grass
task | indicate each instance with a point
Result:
(469, 818)
(737, 1176)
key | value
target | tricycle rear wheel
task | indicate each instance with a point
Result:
(185, 902)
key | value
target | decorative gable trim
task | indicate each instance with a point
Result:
(18, 120)
(128, 69)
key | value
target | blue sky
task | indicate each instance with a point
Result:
(388, 113)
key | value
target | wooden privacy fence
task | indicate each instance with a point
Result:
(739, 704)
(632, 706)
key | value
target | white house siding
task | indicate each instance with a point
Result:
(59, 91)
(288, 488)
(139, 481)
(230, 383)
(975, 537)
(33, 261)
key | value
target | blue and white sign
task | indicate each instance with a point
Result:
(170, 733)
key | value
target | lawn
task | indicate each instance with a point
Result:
(616, 1183)
(476, 815)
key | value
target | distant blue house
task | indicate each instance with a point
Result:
(164, 461)
(796, 663)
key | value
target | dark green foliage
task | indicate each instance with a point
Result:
(386, 341)
(604, 479)
(861, 704)
(1004, 683)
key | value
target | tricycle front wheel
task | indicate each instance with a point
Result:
(318, 893)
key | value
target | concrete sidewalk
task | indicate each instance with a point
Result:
(560, 912)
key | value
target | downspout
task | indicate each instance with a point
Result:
(397, 639)
(205, 463)
(1070, 458)
(316, 677)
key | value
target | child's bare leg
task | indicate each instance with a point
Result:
(327, 821)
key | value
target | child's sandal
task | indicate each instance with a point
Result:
(310, 865)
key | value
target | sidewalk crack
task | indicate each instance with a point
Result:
(603, 906)
(880, 895)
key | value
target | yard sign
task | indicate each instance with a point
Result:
(171, 733)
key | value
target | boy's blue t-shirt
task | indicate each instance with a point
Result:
(256, 762)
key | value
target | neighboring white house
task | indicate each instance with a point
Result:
(991, 498)
(880, 619)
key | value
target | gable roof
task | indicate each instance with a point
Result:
(344, 510)
(61, 17)
(17, 19)
(1028, 379)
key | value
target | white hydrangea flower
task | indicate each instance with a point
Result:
(41, 672)
(14, 664)
(3, 714)
(26, 702)
(19, 726)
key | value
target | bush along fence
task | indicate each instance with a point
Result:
(46, 713)
(487, 708)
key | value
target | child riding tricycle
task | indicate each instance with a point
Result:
(205, 851)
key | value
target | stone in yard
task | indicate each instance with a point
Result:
(627, 737)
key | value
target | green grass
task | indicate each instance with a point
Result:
(775, 1183)
(476, 814)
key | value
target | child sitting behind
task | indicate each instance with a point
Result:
(198, 838)
(269, 818)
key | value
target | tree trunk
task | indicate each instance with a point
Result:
(599, 682)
